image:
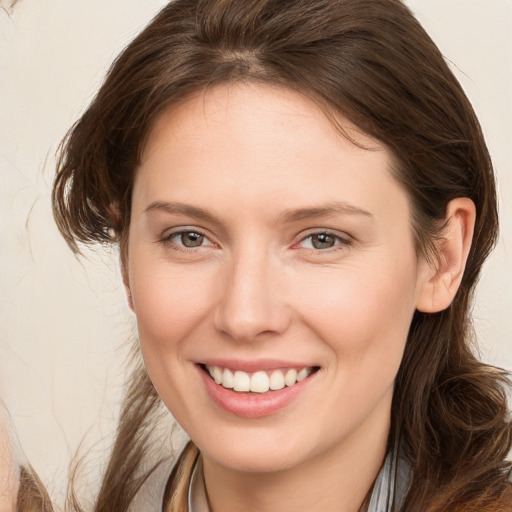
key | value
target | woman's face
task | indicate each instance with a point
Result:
(268, 250)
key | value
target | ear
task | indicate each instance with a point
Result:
(114, 214)
(126, 282)
(443, 276)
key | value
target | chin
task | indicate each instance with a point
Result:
(247, 461)
(252, 452)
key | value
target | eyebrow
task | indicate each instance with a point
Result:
(184, 209)
(334, 208)
(288, 216)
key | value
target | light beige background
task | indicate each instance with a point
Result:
(64, 325)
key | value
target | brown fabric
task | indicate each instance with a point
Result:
(176, 490)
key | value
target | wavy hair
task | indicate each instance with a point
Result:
(372, 63)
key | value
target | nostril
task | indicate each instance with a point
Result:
(251, 324)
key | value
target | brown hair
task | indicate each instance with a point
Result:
(371, 62)
(32, 495)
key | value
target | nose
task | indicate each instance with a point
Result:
(251, 301)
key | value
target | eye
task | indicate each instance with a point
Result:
(187, 239)
(191, 239)
(322, 241)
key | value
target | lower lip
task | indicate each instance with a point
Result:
(253, 405)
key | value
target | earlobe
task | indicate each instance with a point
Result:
(114, 214)
(442, 278)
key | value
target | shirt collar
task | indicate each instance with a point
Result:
(383, 493)
(197, 500)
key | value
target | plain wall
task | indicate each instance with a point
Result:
(64, 324)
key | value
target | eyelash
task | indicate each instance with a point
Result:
(170, 239)
(340, 242)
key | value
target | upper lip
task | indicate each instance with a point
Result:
(255, 364)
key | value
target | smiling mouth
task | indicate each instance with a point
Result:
(259, 382)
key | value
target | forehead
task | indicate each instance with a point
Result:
(250, 140)
(243, 106)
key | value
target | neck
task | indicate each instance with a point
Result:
(336, 480)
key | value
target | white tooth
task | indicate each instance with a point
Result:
(276, 380)
(303, 374)
(217, 374)
(210, 371)
(259, 382)
(291, 377)
(241, 381)
(227, 378)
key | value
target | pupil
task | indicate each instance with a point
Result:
(192, 239)
(323, 241)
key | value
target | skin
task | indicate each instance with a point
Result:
(267, 167)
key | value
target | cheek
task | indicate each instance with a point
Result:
(363, 315)
(170, 307)
(168, 302)
(364, 320)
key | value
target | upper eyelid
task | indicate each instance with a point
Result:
(342, 235)
(344, 241)
(169, 241)
(172, 232)
(168, 237)
(188, 218)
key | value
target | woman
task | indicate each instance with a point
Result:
(303, 201)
